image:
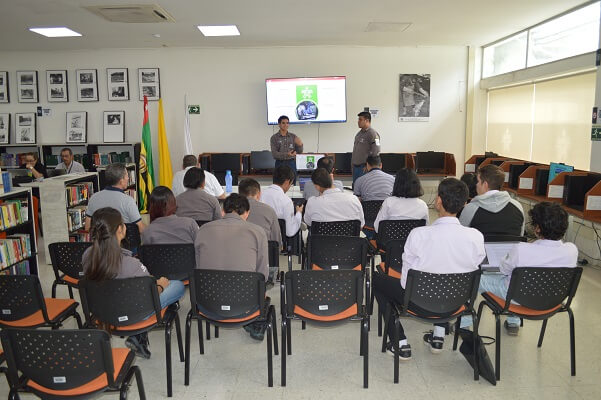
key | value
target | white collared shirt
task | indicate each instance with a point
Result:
(212, 185)
(395, 208)
(333, 205)
(445, 247)
(275, 197)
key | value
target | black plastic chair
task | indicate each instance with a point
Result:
(395, 229)
(78, 364)
(293, 245)
(370, 212)
(23, 304)
(326, 252)
(391, 265)
(273, 248)
(230, 299)
(66, 263)
(504, 238)
(173, 261)
(201, 223)
(323, 298)
(336, 228)
(444, 296)
(132, 238)
(540, 293)
(123, 307)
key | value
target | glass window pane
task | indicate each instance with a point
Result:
(506, 56)
(569, 35)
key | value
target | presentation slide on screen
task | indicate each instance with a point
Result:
(306, 100)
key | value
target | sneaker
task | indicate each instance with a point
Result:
(141, 349)
(404, 351)
(512, 329)
(434, 342)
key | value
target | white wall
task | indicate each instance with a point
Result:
(229, 86)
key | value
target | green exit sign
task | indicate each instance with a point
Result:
(193, 109)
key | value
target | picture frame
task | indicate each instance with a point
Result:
(77, 127)
(149, 83)
(57, 86)
(27, 86)
(113, 126)
(25, 128)
(117, 80)
(4, 92)
(87, 84)
(4, 128)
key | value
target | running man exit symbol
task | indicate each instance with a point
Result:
(193, 109)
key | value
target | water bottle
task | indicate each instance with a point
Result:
(228, 181)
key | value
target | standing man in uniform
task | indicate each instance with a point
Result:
(285, 145)
(367, 143)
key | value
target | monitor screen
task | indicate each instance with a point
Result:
(342, 163)
(556, 168)
(430, 161)
(307, 162)
(261, 160)
(541, 182)
(392, 162)
(221, 162)
(306, 100)
(515, 170)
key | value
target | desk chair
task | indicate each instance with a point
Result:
(173, 261)
(292, 244)
(132, 238)
(370, 212)
(66, 263)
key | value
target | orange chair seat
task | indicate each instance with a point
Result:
(99, 383)
(349, 312)
(316, 267)
(150, 321)
(54, 307)
(71, 280)
(520, 310)
(461, 309)
(391, 272)
(234, 320)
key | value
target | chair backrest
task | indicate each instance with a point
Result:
(201, 223)
(20, 296)
(336, 252)
(291, 243)
(119, 302)
(396, 229)
(324, 295)
(221, 295)
(370, 211)
(490, 237)
(173, 261)
(336, 228)
(66, 258)
(393, 258)
(441, 293)
(273, 247)
(543, 288)
(132, 238)
(58, 359)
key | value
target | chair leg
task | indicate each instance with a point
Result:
(395, 344)
(303, 325)
(77, 319)
(168, 327)
(498, 347)
(208, 330)
(367, 299)
(70, 292)
(380, 317)
(361, 339)
(275, 331)
(572, 343)
(283, 361)
(289, 336)
(139, 383)
(386, 318)
(289, 261)
(476, 348)
(178, 332)
(216, 332)
(542, 333)
(269, 355)
(54, 289)
(187, 357)
(365, 336)
(456, 335)
(201, 344)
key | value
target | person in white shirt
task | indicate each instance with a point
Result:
(68, 163)
(332, 204)
(275, 196)
(550, 222)
(212, 185)
(327, 163)
(445, 247)
(405, 202)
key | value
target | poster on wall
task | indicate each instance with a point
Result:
(4, 87)
(27, 86)
(118, 84)
(149, 83)
(56, 83)
(414, 97)
(77, 124)
(114, 126)
(25, 128)
(4, 128)
(87, 85)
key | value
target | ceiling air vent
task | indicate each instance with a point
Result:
(132, 13)
(387, 26)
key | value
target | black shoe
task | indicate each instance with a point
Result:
(434, 342)
(269, 284)
(511, 329)
(404, 351)
(256, 330)
(139, 347)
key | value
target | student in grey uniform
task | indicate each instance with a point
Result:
(195, 202)
(68, 163)
(105, 259)
(260, 213)
(328, 164)
(117, 180)
(375, 184)
(166, 227)
(367, 143)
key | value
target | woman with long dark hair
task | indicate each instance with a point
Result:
(166, 227)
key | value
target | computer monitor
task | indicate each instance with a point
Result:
(393, 162)
(497, 162)
(541, 181)
(515, 170)
(307, 162)
(556, 168)
(221, 162)
(262, 161)
(430, 162)
(576, 187)
(342, 163)
(479, 160)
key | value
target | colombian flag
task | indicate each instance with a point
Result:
(145, 167)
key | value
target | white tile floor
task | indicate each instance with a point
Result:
(326, 364)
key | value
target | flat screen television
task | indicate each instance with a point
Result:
(306, 100)
(556, 168)
(342, 163)
(430, 162)
(261, 161)
(515, 170)
(221, 162)
(576, 187)
(541, 181)
(392, 162)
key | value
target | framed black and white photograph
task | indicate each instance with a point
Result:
(56, 84)
(4, 95)
(114, 126)
(149, 83)
(77, 126)
(87, 84)
(118, 84)
(414, 97)
(25, 128)
(4, 128)
(27, 86)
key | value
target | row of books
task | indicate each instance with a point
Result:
(78, 192)
(112, 157)
(14, 248)
(13, 213)
(21, 268)
(76, 218)
(79, 237)
(11, 160)
(52, 160)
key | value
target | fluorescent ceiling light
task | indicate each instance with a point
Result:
(60, 31)
(219, 30)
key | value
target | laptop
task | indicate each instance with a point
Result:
(495, 252)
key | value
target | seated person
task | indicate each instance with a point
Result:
(105, 259)
(212, 185)
(332, 204)
(405, 202)
(375, 184)
(117, 180)
(68, 163)
(445, 247)
(195, 202)
(493, 211)
(470, 179)
(550, 223)
(327, 163)
(260, 214)
(275, 197)
(31, 161)
(166, 227)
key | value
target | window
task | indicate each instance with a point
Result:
(505, 56)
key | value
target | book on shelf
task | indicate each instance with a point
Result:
(81, 236)
(78, 192)
(83, 159)
(21, 268)
(51, 160)
(76, 218)
(14, 248)
(11, 160)
(13, 212)
(102, 159)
